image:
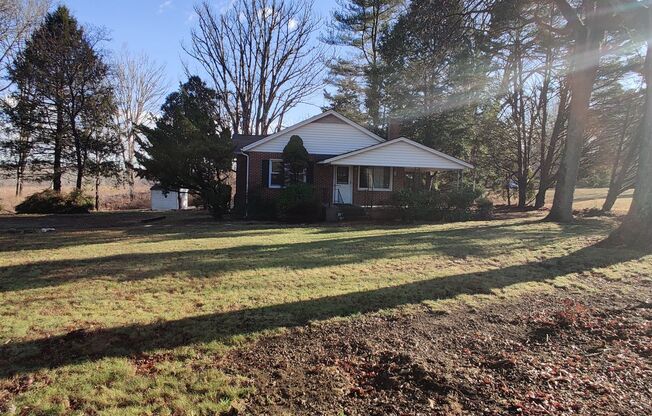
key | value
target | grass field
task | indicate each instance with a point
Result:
(133, 318)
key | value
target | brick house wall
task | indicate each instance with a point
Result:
(322, 177)
(322, 181)
(366, 198)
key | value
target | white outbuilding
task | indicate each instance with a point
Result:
(168, 200)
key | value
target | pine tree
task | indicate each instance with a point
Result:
(62, 82)
(360, 25)
(190, 147)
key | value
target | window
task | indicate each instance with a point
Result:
(375, 178)
(342, 175)
(275, 173)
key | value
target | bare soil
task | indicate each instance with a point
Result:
(563, 352)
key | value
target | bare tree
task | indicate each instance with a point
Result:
(139, 86)
(17, 20)
(260, 57)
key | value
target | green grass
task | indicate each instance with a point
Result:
(81, 311)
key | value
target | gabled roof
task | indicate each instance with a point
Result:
(310, 120)
(371, 156)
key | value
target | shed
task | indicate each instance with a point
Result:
(168, 200)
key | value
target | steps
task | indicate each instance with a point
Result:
(348, 212)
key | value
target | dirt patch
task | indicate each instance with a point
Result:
(560, 353)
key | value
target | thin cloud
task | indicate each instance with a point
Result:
(191, 17)
(164, 6)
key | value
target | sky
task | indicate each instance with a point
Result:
(158, 28)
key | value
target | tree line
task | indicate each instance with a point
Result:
(70, 107)
(538, 95)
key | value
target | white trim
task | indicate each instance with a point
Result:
(391, 179)
(308, 121)
(350, 183)
(404, 140)
(269, 174)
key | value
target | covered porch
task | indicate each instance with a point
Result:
(368, 177)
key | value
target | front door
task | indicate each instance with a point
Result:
(343, 185)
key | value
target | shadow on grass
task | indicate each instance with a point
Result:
(81, 346)
(337, 251)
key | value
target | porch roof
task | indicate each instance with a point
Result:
(401, 152)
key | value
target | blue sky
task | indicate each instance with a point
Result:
(158, 27)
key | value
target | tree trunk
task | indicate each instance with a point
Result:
(131, 174)
(610, 200)
(546, 176)
(586, 58)
(522, 190)
(97, 192)
(79, 161)
(636, 230)
(58, 148)
(19, 181)
(621, 178)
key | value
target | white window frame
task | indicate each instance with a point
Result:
(391, 179)
(269, 174)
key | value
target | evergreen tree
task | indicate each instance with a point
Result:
(190, 147)
(62, 87)
(360, 25)
(346, 99)
(296, 160)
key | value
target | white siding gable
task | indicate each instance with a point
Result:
(324, 136)
(322, 139)
(400, 153)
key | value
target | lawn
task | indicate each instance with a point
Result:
(136, 318)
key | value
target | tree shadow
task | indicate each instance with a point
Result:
(336, 251)
(84, 345)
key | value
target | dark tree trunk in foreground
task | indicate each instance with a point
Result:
(585, 60)
(636, 230)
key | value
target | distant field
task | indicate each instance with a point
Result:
(8, 198)
(586, 198)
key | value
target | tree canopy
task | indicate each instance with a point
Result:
(190, 146)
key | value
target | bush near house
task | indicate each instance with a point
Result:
(50, 202)
(436, 205)
(485, 208)
(299, 203)
(260, 208)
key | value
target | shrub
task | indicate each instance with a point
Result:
(299, 203)
(259, 208)
(435, 205)
(485, 208)
(461, 198)
(295, 160)
(217, 199)
(419, 205)
(50, 202)
(142, 200)
(77, 202)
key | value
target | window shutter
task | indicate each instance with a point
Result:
(265, 170)
(310, 173)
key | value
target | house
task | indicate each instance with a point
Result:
(167, 200)
(350, 164)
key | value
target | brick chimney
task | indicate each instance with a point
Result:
(393, 128)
